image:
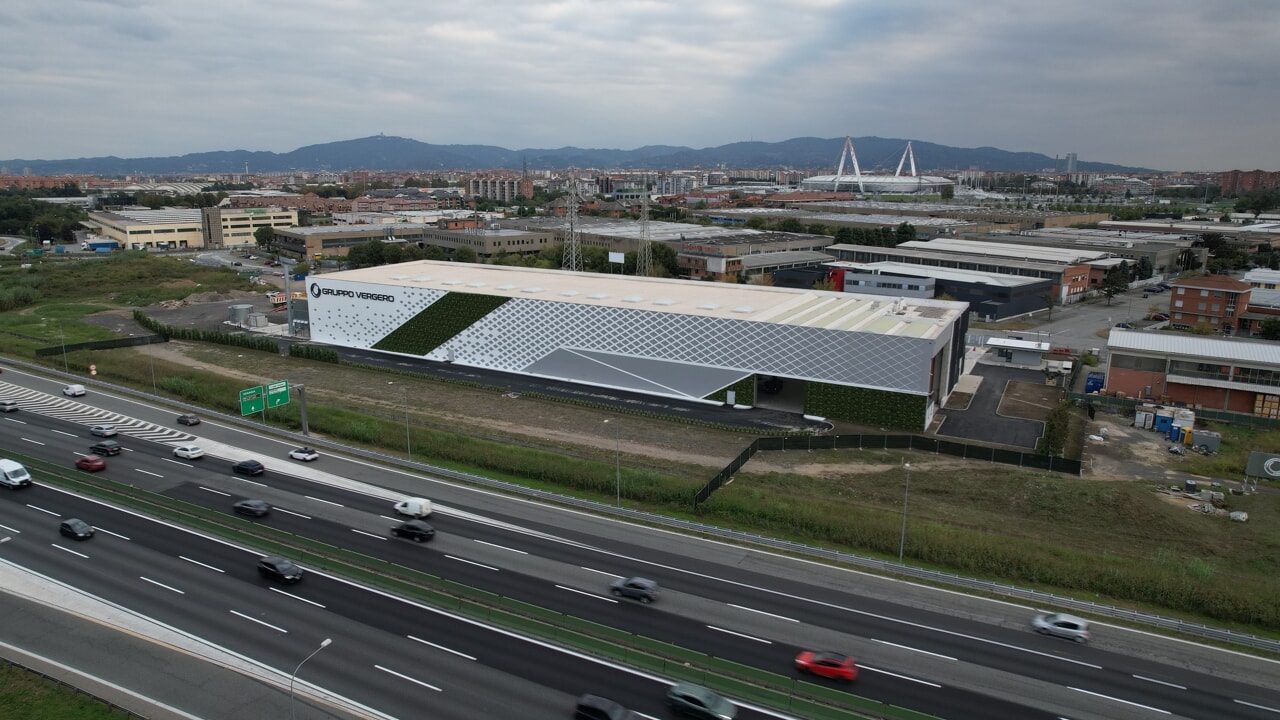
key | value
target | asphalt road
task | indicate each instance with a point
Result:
(981, 421)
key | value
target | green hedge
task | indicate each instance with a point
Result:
(863, 405)
(440, 322)
(243, 340)
(745, 390)
(314, 352)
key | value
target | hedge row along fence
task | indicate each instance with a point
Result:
(242, 340)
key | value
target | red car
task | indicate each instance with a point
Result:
(92, 463)
(827, 664)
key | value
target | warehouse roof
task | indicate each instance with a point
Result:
(1165, 343)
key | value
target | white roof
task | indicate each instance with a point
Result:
(940, 273)
(1262, 276)
(1062, 256)
(1018, 344)
(1231, 350)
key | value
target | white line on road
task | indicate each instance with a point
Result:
(900, 677)
(264, 624)
(64, 432)
(472, 562)
(502, 547)
(15, 420)
(148, 472)
(251, 482)
(327, 502)
(440, 647)
(215, 492)
(46, 512)
(175, 462)
(69, 550)
(599, 572)
(112, 534)
(392, 519)
(761, 612)
(33, 442)
(741, 635)
(197, 562)
(295, 597)
(362, 532)
(1260, 707)
(290, 512)
(1161, 682)
(6, 527)
(406, 677)
(1116, 699)
(160, 584)
(906, 647)
(590, 595)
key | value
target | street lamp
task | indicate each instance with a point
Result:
(906, 492)
(408, 447)
(617, 463)
(294, 676)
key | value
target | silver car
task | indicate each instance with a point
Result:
(1062, 625)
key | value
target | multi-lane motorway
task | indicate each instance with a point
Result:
(937, 652)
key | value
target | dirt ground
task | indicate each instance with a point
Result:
(1029, 400)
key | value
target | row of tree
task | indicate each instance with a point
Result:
(594, 259)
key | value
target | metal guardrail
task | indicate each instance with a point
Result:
(861, 561)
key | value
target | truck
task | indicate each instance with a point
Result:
(1094, 381)
(100, 246)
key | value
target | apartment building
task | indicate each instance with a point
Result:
(1217, 300)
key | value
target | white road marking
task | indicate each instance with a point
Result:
(1161, 682)
(175, 462)
(69, 550)
(327, 502)
(6, 527)
(1116, 699)
(15, 420)
(33, 442)
(472, 562)
(406, 677)
(64, 432)
(440, 647)
(160, 584)
(906, 647)
(264, 624)
(590, 595)
(147, 472)
(215, 492)
(1260, 707)
(599, 572)
(362, 532)
(900, 677)
(502, 547)
(761, 612)
(122, 537)
(290, 512)
(197, 562)
(46, 512)
(741, 635)
(295, 597)
(251, 482)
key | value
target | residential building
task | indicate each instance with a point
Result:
(1219, 301)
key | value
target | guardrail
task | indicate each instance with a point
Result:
(860, 561)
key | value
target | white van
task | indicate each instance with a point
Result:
(414, 507)
(13, 475)
(73, 391)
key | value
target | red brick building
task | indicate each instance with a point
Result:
(1235, 182)
(1217, 300)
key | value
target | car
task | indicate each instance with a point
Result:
(415, 530)
(252, 508)
(188, 419)
(1061, 625)
(697, 701)
(106, 447)
(189, 452)
(594, 707)
(305, 454)
(92, 463)
(103, 431)
(237, 263)
(75, 528)
(824, 663)
(642, 589)
(1156, 289)
(73, 391)
(1160, 317)
(414, 507)
(8, 406)
(248, 467)
(278, 568)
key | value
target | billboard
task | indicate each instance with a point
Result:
(1263, 465)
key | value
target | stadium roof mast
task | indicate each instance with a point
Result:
(857, 173)
(644, 253)
(572, 256)
(905, 154)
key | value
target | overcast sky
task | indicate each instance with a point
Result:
(1168, 84)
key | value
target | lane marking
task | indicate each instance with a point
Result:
(175, 462)
(197, 562)
(35, 442)
(290, 512)
(112, 534)
(1161, 682)
(472, 562)
(46, 512)
(440, 647)
(5, 539)
(6, 527)
(761, 612)
(296, 597)
(251, 482)
(215, 492)
(160, 584)
(501, 547)
(907, 647)
(327, 502)
(253, 619)
(741, 635)
(899, 676)
(64, 432)
(69, 550)
(590, 595)
(1116, 699)
(600, 572)
(1260, 707)
(362, 532)
(148, 472)
(406, 677)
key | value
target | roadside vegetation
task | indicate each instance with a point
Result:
(25, 695)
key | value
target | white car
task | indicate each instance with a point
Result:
(305, 454)
(73, 391)
(188, 452)
(414, 507)
(103, 431)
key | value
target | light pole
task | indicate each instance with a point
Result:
(408, 447)
(906, 492)
(65, 365)
(324, 644)
(617, 463)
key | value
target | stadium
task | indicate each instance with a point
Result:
(868, 183)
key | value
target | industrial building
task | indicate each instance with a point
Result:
(231, 227)
(882, 361)
(169, 229)
(336, 241)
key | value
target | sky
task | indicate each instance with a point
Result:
(1166, 84)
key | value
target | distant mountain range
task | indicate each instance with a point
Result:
(381, 152)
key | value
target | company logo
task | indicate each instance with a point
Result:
(1272, 467)
(317, 291)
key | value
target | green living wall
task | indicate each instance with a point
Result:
(745, 389)
(866, 406)
(434, 326)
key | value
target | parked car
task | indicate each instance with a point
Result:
(92, 463)
(697, 701)
(252, 508)
(827, 664)
(1160, 317)
(594, 707)
(1124, 326)
(106, 447)
(415, 530)
(189, 452)
(248, 467)
(188, 419)
(278, 568)
(103, 430)
(73, 391)
(642, 589)
(1062, 625)
(305, 454)
(75, 528)
(8, 406)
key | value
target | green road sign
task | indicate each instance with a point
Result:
(251, 400)
(277, 393)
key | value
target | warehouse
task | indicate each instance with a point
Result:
(878, 360)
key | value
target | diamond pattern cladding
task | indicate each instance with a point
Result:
(359, 324)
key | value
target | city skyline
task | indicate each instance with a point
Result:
(1173, 85)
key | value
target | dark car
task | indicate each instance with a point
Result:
(1124, 326)
(248, 467)
(92, 463)
(415, 530)
(594, 707)
(188, 419)
(827, 664)
(75, 528)
(106, 447)
(697, 701)
(252, 508)
(642, 589)
(278, 568)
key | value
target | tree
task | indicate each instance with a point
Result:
(1145, 269)
(1270, 329)
(266, 237)
(433, 252)
(948, 193)
(465, 254)
(1050, 300)
(1115, 283)
(1257, 202)
(905, 232)
(791, 225)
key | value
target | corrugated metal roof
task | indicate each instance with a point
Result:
(1231, 350)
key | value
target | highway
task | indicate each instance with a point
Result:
(935, 652)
